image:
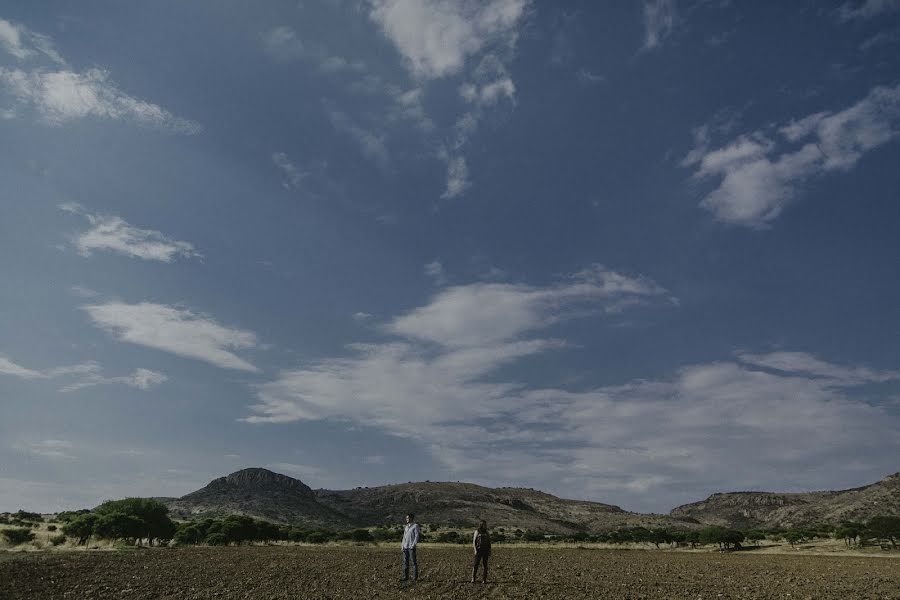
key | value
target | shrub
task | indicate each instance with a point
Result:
(216, 539)
(319, 537)
(51, 527)
(57, 540)
(361, 535)
(81, 527)
(188, 534)
(17, 536)
(448, 537)
(534, 536)
(152, 513)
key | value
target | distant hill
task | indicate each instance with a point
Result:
(258, 493)
(747, 510)
(278, 498)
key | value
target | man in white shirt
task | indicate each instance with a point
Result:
(408, 545)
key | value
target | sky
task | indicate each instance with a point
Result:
(629, 252)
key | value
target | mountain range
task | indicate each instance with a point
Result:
(279, 498)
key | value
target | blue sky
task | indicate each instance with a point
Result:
(630, 252)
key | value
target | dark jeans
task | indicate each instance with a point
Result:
(409, 556)
(483, 559)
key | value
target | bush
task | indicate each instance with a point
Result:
(81, 527)
(188, 535)
(319, 537)
(57, 540)
(534, 536)
(361, 535)
(17, 536)
(216, 539)
(153, 514)
(447, 537)
(51, 527)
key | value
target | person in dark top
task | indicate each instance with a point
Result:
(482, 543)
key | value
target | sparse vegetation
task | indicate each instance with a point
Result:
(17, 536)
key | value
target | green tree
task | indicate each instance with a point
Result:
(887, 528)
(188, 534)
(849, 532)
(793, 536)
(81, 527)
(119, 526)
(216, 539)
(18, 536)
(361, 535)
(153, 513)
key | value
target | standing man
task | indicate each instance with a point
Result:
(408, 545)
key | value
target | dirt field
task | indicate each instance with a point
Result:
(359, 572)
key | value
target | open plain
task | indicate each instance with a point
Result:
(337, 572)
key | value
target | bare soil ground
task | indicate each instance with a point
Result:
(337, 572)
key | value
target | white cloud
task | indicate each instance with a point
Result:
(142, 379)
(659, 20)
(63, 96)
(758, 175)
(435, 270)
(866, 9)
(447, 348)
(361, 316)
(292, 174)
(485, 313)
(457, 176)
(116, 235)
(780, 420)
(435, 37)
(87, 374)
(25, 44)
(372, 145)
(283, 43)
(60, 95)
(8, 367)
(587, 77)
(808, 365)
(176, 330)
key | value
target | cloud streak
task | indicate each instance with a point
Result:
(175, 330)
(758, 174)
(114, 234)
(59, 95)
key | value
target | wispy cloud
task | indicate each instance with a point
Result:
(808, 365)
(293, 175)
(445, 349)
(710, 425)
(24, 44)
(866, 9)
(283, 43)
(759, 173)
(142, 379)
(371, 144)
(62, 96)
(176, 330)
(435, 270)
(114, 234)
(659, 21)
(86, 375)
(59, 95)
(8, 367)
(435, 37)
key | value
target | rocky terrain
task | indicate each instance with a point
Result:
(746, 510)
(281, 499)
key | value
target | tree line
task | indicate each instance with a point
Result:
(139, 520)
